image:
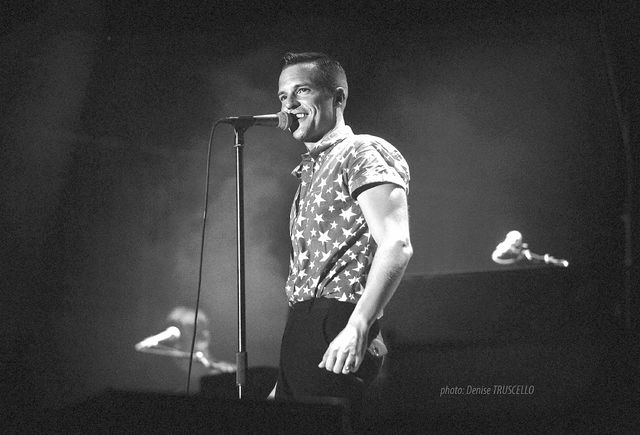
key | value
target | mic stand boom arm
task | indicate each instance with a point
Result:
(546, 258)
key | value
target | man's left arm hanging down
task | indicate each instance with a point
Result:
(385, 209)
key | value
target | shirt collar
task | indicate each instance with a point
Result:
(331, 139)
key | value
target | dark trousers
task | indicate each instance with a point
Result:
(311, 326)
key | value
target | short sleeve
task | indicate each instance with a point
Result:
(373, 161)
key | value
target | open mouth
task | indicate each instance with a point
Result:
(296, 119)
(294, 122)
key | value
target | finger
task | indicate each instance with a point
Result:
(324, 359)
(331, 360)
(341, 357)
(349, 364)
(356, 363)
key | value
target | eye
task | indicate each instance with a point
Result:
(302, 91)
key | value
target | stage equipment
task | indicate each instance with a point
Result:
(213, 365)
(139, 412)
(282, 120)
(511, 250)
(285, 121)
(172, 333)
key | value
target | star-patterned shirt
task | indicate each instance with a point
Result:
(332, 248)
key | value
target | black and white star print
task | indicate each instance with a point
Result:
(332, 248)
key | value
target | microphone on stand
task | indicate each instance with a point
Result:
(511, 250)
(282, 120)
(172, 333)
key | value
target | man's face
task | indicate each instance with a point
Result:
(301, 94)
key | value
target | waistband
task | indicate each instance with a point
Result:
(376, 347)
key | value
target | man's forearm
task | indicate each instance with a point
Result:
(387, 268)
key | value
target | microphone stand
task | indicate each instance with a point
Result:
(240, 125)
(241, 355)
(546, 258)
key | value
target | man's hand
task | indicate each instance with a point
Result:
(346, 352)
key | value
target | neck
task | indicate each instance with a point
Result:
(312, 145)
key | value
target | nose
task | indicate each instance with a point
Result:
(290, 102)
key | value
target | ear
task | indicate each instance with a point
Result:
(340, 96)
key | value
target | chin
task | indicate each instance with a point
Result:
(300, 135)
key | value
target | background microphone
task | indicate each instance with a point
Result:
(171, 333)
(281, 120)
(510, 249)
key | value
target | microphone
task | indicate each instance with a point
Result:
(510, 249)
(169, 334)
(282, 120)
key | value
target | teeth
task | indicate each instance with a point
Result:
(300, 115)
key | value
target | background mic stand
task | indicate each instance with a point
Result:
(546, 258)
(241, 355)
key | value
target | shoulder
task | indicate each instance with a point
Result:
(363, 143)
(370, 160)
(375, 150)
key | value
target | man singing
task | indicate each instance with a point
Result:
(349, 230)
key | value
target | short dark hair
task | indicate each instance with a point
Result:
(330, 71)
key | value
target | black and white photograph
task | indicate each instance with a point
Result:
(350, 217)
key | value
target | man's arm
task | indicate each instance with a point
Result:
(386, 212)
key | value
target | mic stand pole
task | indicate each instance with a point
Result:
(241, 355)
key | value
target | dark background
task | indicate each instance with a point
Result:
(505, 112)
